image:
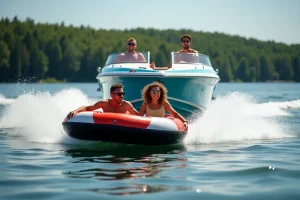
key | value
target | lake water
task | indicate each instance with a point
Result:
(245, 146)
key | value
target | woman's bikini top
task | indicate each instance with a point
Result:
(155, 112)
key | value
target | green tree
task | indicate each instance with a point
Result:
(244, 71)
(4, 61)
(226, 73)
(267, 69)
(296, 68)
(16, 61)
(70, 61)
(30, 42)
(284, 68)
(54, 54)
(92, 59)
(39, 64)
(162, 59)
(72, 51)
(254, 67)
(8, 38)
(4, 55)
(25, 56)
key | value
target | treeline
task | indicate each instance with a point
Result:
(32, 52)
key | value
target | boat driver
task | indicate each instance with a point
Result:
(114, 105)
(186, 42)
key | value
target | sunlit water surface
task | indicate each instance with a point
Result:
(245, 146)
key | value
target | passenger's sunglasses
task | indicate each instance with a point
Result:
(120, 93)
(183, 41)
(131, 44)
(155, 91)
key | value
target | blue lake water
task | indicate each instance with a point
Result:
(245, 146)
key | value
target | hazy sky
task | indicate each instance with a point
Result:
(277, 20)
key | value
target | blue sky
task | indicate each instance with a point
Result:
(277, 20)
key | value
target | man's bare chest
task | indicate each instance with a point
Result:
(110, 108)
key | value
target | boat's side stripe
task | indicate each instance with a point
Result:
(136, 100)
(149, 74)
(186, 102)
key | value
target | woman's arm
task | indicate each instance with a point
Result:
(142, 109)
(171, 110)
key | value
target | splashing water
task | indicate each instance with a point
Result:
(38, 117)
(5, 101)
(237, 117)
(285, 105)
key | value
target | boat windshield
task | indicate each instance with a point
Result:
(137, 57)
(190, 58)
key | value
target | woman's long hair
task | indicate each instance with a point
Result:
(163, 92)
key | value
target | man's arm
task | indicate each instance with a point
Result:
(120, 58)
(131, 109)
(92, 107)
(141, 57)
(152, 66)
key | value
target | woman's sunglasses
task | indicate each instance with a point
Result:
(120, 93)
(155, 91)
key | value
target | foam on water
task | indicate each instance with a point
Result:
(285, 105)
(235, 117)
(38, 116)
(5, 101)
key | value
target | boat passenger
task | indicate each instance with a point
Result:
(156, 103)
(114, 105)
(131, 55)
(186, 42)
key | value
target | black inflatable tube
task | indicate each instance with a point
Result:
(121, 134)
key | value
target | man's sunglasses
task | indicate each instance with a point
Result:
(131, 44)
(155, 91)
(120, 93)
(183, 41)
